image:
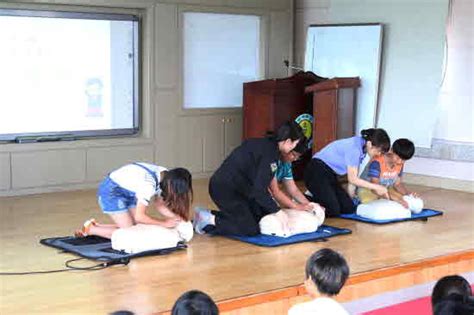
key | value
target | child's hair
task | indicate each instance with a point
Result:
(404, 148)
(378, 137)
(177, 191)
(194, 302)
(122, 312)
(328, 270)
(455, 305)
(302, 146)
(288, 130)
(450, 285)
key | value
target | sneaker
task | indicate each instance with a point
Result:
(308, 195)
(202, 218)
(84, 230)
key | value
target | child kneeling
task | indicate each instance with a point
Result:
(326, 273)
(387, 170)
(126, 193)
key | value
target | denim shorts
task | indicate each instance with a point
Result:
(114, 199)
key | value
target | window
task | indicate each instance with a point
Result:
(220, 51)
(68, 74)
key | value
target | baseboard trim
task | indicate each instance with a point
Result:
(439, 182)
(68, 187)
(448, 150)
(48, 189)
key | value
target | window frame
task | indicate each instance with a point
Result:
(263, 54)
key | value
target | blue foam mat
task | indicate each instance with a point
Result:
(99, 248)
(321, 234)
(423, 215)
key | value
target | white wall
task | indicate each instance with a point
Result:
(413, 53)
(412, 56)
(42, 167)
(307, 12)
(456, 107)
(441, 168)
(453, 137)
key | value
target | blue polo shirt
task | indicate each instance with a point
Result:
(283, 171)
(340, 154)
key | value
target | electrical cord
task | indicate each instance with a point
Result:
(100, 266)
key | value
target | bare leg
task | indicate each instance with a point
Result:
(102, 231)
(131, 211)
(351, 190)
(105, 225)
(122, 220)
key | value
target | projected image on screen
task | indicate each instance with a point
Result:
(67, 74)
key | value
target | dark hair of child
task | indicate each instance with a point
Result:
(328, 270)
(449, 285)
(404, 148)
(194, 302)
(452, 295)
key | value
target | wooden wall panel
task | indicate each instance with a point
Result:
(100, 161)
(45, 168)
(5, 171)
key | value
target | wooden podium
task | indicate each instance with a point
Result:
(269, 103)
(333, 110)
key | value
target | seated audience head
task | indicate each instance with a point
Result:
(177, 191)
(377, 141)
(404, 149)
(194, 302)
(122, 312)
(287, 136)
(452, 295)
(326, 271)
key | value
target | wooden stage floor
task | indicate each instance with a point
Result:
(223, 268)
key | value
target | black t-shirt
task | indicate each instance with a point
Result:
(249, 169)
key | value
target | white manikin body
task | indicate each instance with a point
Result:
(143, 237)
(298, 222)
(383, 209)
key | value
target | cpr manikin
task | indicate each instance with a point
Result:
(298, 222)
(144, 237)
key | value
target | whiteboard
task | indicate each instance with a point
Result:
(349, 51)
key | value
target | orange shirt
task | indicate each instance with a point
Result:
(379, 168)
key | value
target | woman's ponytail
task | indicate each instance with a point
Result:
(378, 137)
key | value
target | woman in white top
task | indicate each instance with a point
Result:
(126, 193)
